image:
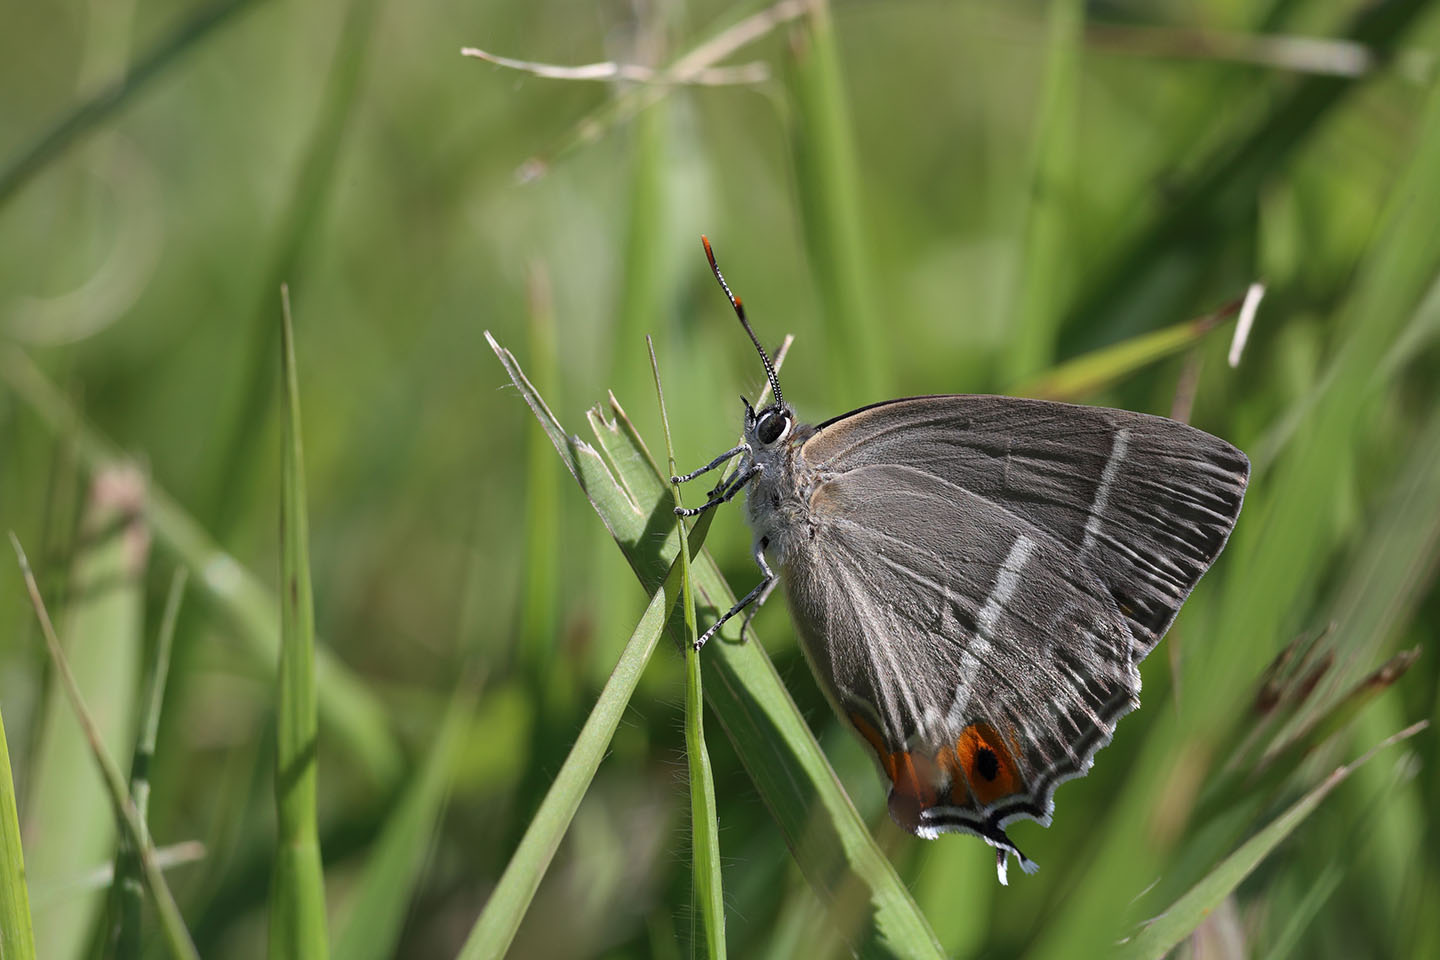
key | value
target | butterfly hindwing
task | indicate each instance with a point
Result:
(982, 663)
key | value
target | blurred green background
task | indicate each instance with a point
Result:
(932, 197)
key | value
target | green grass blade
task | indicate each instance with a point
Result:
(17, 936)
(128, 891)
(1044, 275)
(297, 894)
(177, 938)
(1165, 931)
(99, 108)
(704, 819)
(68, 818)
(826, 835)
(827, 174)
(359, 722)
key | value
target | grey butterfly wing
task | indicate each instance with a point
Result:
(1146, 503)
(980, 660)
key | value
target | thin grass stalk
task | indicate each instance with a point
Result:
(177, 938)
(69, 822)
(704, 821)
(297, 896)
(109, 100)
(128, 889)
(17, 935)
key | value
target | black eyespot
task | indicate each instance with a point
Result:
(771, 427)
(986, 763)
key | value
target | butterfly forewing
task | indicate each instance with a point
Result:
(1144, 502)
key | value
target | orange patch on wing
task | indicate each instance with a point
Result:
(988, 764)
(915, 779)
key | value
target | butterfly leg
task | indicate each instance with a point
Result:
(767, 587)
(742, 448)
(756, 597)
(724, 496)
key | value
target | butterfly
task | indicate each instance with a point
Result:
(975, 579)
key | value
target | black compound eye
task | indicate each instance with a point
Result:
(772, 427)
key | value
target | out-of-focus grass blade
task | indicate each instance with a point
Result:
(1277, 555)
(1044, 275)
(17, 936)
(177, 938)
(305, 205)
(704, 821)
(1092, 372)
(386, 889)
(128, 891)
(1165, 931)
(825, 833)
(99, 108)
(1283, 550)
(347, 707)
(69, 823)
(297, 892)
(828, 178)
(1156, 268)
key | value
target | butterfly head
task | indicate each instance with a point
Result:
(769, 427)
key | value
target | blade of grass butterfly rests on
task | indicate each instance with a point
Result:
(704, 825)
(177, 938)
(297, 891)
(1164, 932)
(347, 707)
(68, 819)
(826, 835)
(17, 936)
(500, 919)
(128, 891)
